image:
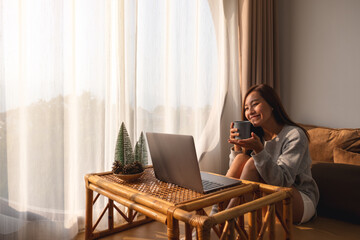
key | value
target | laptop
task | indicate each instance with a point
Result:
(174, 161)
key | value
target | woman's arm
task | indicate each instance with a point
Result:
(282, 170)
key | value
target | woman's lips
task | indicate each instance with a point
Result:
(254, 117)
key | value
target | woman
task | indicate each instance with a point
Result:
(280, 157)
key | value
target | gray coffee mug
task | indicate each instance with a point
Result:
(244, 129)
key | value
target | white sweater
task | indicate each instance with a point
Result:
(285, 161)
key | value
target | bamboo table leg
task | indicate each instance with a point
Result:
(252, 225)
(88, 214)
(111, 214)
(188, 231)
(173, 231)
(203, 233)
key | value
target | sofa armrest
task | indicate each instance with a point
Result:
(339, 186)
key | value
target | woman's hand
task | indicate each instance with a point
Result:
(233, 134)
(252, 143)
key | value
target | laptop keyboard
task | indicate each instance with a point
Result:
(209, 185)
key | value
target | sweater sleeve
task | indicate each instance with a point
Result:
(281, 170)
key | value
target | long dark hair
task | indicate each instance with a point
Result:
(271, 97)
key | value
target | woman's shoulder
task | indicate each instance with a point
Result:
(294, 133)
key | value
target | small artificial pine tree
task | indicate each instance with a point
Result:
(140, 151)
(126, 161)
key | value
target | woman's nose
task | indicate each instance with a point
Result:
(251, 109)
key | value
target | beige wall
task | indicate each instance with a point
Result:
(320, 61)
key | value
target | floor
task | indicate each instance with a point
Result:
(318, 229)
(152, 230)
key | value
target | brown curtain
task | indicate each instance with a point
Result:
(258, 44)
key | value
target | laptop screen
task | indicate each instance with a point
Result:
(175, 161)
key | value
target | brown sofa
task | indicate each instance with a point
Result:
(336, 169)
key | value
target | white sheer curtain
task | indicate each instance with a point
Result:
(72, 71)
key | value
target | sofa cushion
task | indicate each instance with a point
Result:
(346, 157)
(339, 190)
(324, 140)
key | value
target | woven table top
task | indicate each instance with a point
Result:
(150, 185)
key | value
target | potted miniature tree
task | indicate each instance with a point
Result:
(128, 164)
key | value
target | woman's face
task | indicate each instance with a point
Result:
(257, 110)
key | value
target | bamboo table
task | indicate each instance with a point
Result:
(169, 204)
